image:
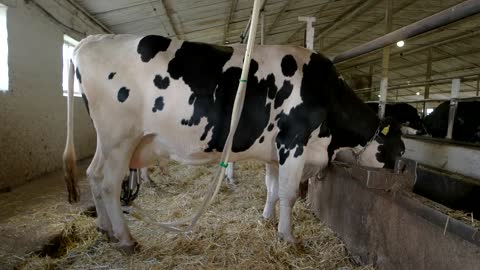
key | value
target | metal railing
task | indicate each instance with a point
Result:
(463, 10)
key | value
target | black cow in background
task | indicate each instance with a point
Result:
(405, 114)
(466, 126)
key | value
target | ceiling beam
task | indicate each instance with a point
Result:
(233, 7)
(345, 17)
(278, 17)
(412, 64)
(124, 7)
(434, 43)
(173, 26)
(458, 57)
(369, 26)
(90, 16)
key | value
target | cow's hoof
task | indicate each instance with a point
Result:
(231, 185)
(288, 238)
(128, 249)
(108, 234)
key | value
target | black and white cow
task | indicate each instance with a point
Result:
(466, 126)
(156, 98)
(405, 114)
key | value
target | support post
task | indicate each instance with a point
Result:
(310, 31)
(262, 27)
(428, 76)
(370, 73)
(385, 62)
(453, 106)
(478, 84)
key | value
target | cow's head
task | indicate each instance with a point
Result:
(386, 147)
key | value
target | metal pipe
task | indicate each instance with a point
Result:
(428, 100)
(428, 76)
(453, 14)
(453, 106)
(385, 62)
(435, 43)
(370, 74)
(464, 77)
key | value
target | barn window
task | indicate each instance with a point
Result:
(429, 111)
(68, 47)
(3, 49)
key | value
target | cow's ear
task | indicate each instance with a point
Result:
(385, 130)
(390, 126)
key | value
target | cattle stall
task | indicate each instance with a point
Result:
(425, 213)
(398, 220)
(144, 81)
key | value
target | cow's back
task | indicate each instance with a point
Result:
(184, 91)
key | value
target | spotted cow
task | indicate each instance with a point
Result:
(466, 125)
(157, 98)
(405, 114)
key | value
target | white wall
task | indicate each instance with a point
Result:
(458, 159)
(33, 111)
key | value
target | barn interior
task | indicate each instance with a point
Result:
(40, 230)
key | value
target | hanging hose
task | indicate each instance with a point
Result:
(187, 224)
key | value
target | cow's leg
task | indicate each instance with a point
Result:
(114, 171)
(95, 177)
(144, 175)
(290, 173)
(271, 181)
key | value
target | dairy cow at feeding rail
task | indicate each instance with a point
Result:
(156, 98)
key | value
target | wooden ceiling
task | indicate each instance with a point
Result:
(340, 25)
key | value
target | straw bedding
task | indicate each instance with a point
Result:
(230, 235)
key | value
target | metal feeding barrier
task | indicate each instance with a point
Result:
(448, 16)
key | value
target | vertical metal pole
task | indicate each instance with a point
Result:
(370, 73)
(262, 27)
(310, 31)
(453, 106)
(428, 76)
(478, 85)
(385, 62)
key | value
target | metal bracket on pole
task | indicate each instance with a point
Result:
(246, 32)
(310, 31)
(453, 106)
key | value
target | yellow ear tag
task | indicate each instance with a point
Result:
(385, 130)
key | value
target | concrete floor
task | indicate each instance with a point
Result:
(34, 213)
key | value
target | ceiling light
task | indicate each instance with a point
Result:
(379, 96)
(418, 93)
(400, 43)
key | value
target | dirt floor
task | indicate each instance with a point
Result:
(230, 235)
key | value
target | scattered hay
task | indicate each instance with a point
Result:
(466, 217)
(230, 235)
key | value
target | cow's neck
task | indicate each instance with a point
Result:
(350, 121)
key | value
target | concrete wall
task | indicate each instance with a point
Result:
(33, 111)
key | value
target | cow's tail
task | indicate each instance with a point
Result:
(69, 159)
